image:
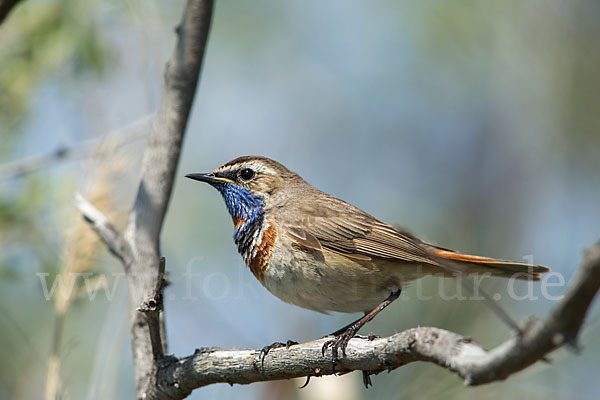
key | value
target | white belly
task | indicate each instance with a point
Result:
(327, 281)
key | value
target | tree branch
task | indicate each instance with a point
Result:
(152, 308)
(159, 165)
(105, 230)
(176, 378)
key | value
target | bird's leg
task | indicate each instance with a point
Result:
(343, 329)
(343, 336)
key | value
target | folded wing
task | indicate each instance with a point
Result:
(332, 224)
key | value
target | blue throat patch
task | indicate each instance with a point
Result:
(243, 205)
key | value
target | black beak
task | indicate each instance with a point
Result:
(208, 178)
(201, 177)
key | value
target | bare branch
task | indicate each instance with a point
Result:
(140, 249)
(159, 166)
(152, 308)
(160, 159)
(107, 232)
(176, 378)
(541, 337)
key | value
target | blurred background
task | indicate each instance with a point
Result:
(475, 125)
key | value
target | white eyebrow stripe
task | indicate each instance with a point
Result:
(256, 166)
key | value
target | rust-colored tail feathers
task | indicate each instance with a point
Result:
(468, 264)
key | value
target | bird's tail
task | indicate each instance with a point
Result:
(467, 264)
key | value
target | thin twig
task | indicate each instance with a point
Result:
(496, 308)
(76, 151)
(105, 229)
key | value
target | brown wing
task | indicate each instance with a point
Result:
(328, 222)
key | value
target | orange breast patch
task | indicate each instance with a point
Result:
(258, 264)
(237, 222)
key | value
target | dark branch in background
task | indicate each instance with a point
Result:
(176, 378)
(159, 165)
(5, 7)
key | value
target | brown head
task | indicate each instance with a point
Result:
(251, 183)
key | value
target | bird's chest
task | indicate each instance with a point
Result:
(255, 240)
(315, 280)
(321, 281)
(283, 270)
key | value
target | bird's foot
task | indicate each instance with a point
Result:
(265, 350)
(340, 341)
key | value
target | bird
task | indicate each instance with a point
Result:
(318, 252)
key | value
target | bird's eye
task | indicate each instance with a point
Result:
(246, 174)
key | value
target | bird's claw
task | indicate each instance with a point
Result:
(338, 342)
(265, 350)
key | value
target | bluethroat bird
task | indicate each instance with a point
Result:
(318, 252)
